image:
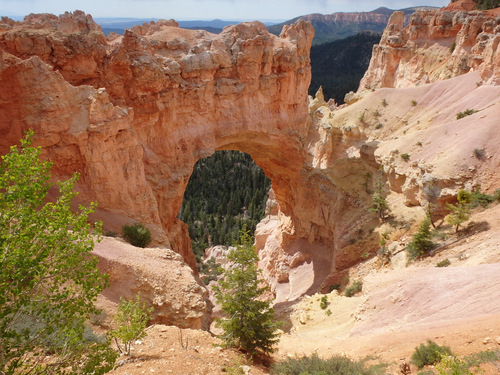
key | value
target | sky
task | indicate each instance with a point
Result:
(205, 9)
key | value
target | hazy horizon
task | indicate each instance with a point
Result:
(237, 10)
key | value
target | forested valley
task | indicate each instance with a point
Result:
(225, 192)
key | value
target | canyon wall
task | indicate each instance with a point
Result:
(133, 113)
(435, 45)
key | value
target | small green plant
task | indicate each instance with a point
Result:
(444, 263)
(362, 118)
(328, 312)
(137, 235)
(479, 199)
(421, 243)
(429, 354)
(379, 126)
(451, 365)
(419, 143)
(405, 156)
(376, 113)
(453, 46)
(460, 212)
(466, 113)
(130, 320)
(384, 103)
(379, 206)
(336, 365)
(356, 287)
(324, 302)
(479, 153)
(413, 103)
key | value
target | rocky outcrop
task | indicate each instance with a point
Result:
(435, 45)
(161, 277)
(132, 115)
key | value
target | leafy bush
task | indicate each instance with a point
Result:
(429, 354)
(324, 302)
(444, 263)
(130, 321)
(413, 103)
(356, 287)
(313, 365)
(465, 113)
(451, 365)
(405, 156)
(49, 280)
(421, 242)
(453, 46)
(137, 235)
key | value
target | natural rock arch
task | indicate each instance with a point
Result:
(133, 114)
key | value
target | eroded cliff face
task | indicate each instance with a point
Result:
(134, 114)
(436, 45)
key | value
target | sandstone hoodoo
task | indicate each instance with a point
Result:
(133, 113)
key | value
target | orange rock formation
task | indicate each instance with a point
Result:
(436, 45)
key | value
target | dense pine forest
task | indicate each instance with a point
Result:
(225, 192)
(339, 66)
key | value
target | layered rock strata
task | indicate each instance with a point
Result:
(435, 45)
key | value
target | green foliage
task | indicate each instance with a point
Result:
(451, 365)
(379, 203)
(429, 354)
(130, 321)
(405, 156)
(421, 243)
(487, 4)
(480, 199)
(249, 324)
(460, 213)
(453, 46)
(136, 234)
(48, 281)
(414, 103)
(313, 365)
(225, 192)
(338, 66)
(356, 287)
(323, 303)
(465, 113)
(444, 263)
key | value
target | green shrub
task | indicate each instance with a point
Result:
(413, 103)
(444, 263)
(421, 242)
(356, 287)
(324, 302)
(465, 113)
(130, 320)
(137, 235)
(453, 46)
(405, 156)
(313, 365)
(429, 354)
(451, 365)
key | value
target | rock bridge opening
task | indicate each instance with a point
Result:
(226, 193)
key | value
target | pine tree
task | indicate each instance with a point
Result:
(422, 240)
(250, 323)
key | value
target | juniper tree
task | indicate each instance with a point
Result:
(422, 240)
(250, 323)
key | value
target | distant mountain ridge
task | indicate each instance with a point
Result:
(330, 27)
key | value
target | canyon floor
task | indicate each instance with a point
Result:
(400, 307)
